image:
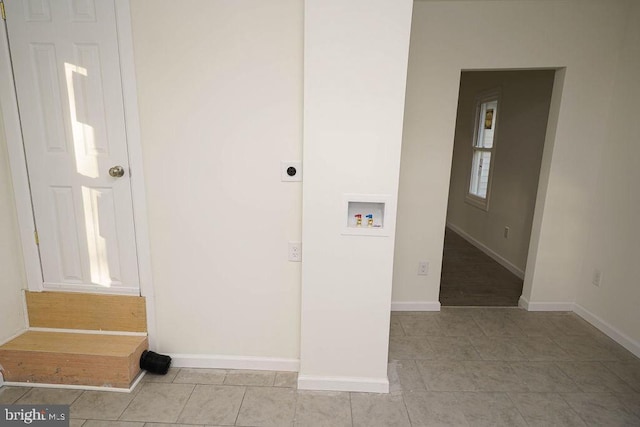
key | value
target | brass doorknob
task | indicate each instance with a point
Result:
(116, 171)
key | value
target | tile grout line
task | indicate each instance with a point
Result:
(406, 408)
(574, 382)
(516, 406)
(618, 376)
(74, 401)
(404, 333)
(351, 410)
(572, 408)
(295, 407)
(125, 408)
(186, 401)
(24, 393)
(141, 385)
(295, 410)
(244, 393)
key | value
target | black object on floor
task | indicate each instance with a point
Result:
(154, 362)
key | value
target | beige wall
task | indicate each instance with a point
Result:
(220, 85)
(220, 100)
(220, 96)
(613, 243)
(587, 200)
(584, 37)
(515, 166)
(12, 277)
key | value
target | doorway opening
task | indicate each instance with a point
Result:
(72, 134)
(499, 139)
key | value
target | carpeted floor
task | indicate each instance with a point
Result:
(471, 278)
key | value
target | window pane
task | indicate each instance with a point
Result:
(487, 124)
(480, 173)
(485, 163)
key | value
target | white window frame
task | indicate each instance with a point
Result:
(481, 98)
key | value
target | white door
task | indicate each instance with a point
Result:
(67, 74)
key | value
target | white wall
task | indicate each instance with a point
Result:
(584, 37)
(354, 74)
(515, 164)
(613, 243)
(220, 97)
(12, 277)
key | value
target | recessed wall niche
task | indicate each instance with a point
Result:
(364, 214)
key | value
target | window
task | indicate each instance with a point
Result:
(483, 147)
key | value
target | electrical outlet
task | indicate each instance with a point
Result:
(423, 268)
(596, 279)
(295, 251)
(291, 171)
(506, 232)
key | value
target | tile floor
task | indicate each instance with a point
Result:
(458, 367)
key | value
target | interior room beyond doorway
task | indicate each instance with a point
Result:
(499, 139)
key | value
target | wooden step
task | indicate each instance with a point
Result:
(72, 358)
(67, 310)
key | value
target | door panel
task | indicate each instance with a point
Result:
(68, 248)
(67, 74)
(43, 58)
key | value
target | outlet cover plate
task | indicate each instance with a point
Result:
(423, 268)
(596, 279)
(295, 251)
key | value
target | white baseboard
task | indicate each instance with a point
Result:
(544, 306)
(415, 306)
(366, 385)
(624, 340)
(621, 338)
(234, 362)
(523, 302)
(12, 337)
(78, 387)
(496, 257)
(87, 332)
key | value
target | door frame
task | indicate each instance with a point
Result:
(19, 173)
